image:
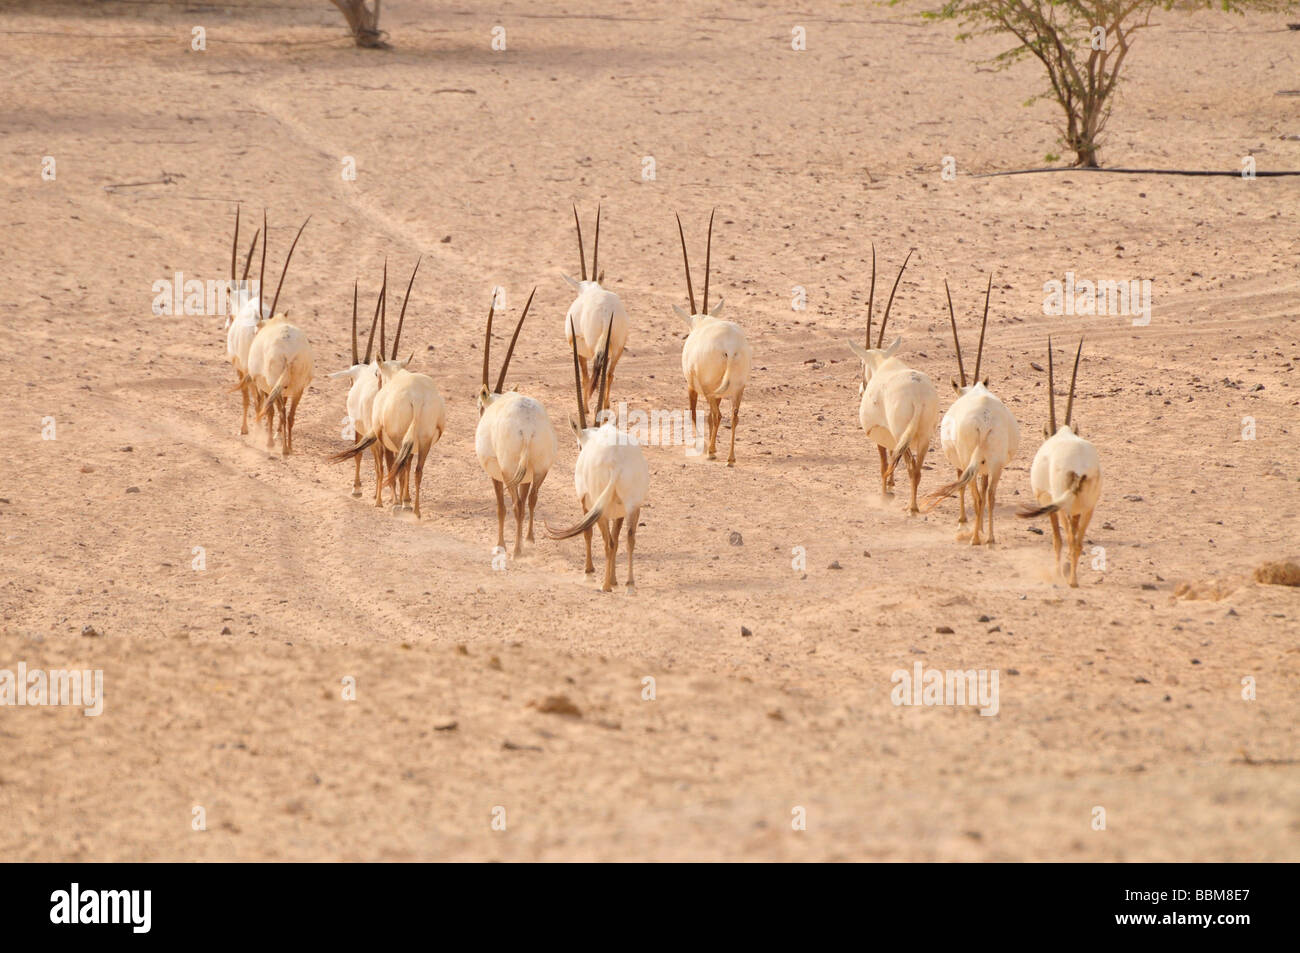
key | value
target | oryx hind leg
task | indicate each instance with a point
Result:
(532, 503)
(632, 519)
(735, 417)
(499, 489)
(990, 500)
(608, 585)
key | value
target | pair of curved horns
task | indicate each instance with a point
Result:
(1051, 385)
(979, 354)
(265, 233)
(582, 251)
(510, 351)
(708, 255)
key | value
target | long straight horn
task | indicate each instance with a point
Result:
(283, 271)
(582, 251)
(880, 339)
(234, 246)
(1069, 404)
(383, 314)
(1051, 387)
(355, 362)
(374, 322)
(248, 262)
(487, 337)
(501, 378)
(405, 301)
(690, 292)
(261, 275)
(577, 383)
(595, 248)
(955, 343)
(871, 300)
(708, 254)
(604, 374)
(980, 353)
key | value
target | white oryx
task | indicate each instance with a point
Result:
(407, 417)
(1065, 477)
(364, 375)
(515, 441)
(243, 324)
(280, 363)
(716, 356)
(588, 317)
(978, 434)
(899, 406)
(612, 480)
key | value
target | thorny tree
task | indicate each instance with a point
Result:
(1081, 43)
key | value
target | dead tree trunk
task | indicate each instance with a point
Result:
(363, 22)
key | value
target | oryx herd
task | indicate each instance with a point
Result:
(398, 414)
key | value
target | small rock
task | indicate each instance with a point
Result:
(943, 629)
(983, 618)
(133, 489)
(90, 632)
(448, 726)
(835, 565)
(1035, 530)
(559, 705)
(745, 632)
(446, 240)
(737, 539)
(225, 630)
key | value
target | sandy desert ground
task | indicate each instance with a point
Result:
(222, 685)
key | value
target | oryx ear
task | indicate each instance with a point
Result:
(717, 308)
(859, 350)
(681, 313)
(956, 386)
(347, 373)
(572, 284)
(575, 427)
(600, 279)
(889, 351)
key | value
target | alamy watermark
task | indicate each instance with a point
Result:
(79, 688)
(222, 297)
(1073, 296)
(950, 687)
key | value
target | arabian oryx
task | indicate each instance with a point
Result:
(243, 321)
(1065, 477)
(364, 375)
(588, 316)
(407, 417)
(716, 356)
(978, 434)
(612, 480)
(280, 363)
(515, 441)
(899, 406)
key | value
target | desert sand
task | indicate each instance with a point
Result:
(224, 685)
